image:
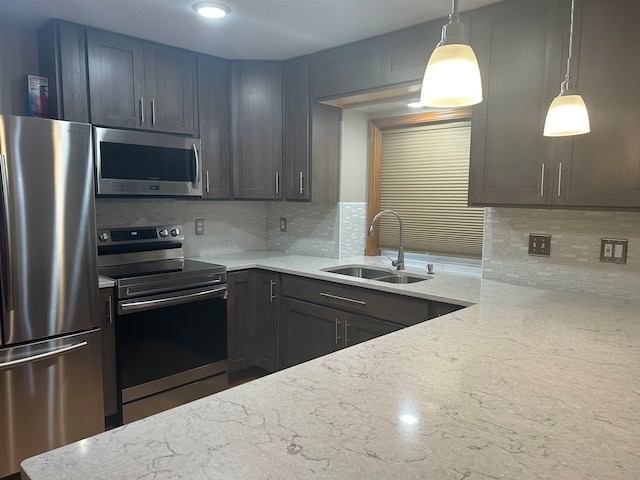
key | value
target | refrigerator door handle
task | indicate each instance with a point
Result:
(8, 268)
(42, 356)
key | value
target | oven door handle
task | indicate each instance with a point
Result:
(167, 300)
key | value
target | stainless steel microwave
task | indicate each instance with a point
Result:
(142, 163)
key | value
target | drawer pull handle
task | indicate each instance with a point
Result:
(344, 299)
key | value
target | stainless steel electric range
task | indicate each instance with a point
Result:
(171, 324)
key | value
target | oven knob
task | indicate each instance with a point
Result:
(103, 237)
(163, 233)
(175, 232)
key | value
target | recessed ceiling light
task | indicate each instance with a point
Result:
(413, 103)
(212, 9)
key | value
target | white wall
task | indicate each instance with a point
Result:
(353, 156)
(18, 57)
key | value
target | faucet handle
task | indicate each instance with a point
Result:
(429, 267)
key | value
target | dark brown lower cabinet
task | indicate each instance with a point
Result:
(241, 324)
(108, 335)
(268, 321)
(315, 330)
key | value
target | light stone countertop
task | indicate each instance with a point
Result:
(527, 384)
(105, 282)
(448, 284)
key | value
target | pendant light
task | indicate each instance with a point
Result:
(567, 113)
(452, 76)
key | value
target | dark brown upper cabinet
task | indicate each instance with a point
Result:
(62, 55)
(602, 168)
(518, 46)
(213, 106)
(256, 129)
(522, 49)
(311, 139)
(141, 85)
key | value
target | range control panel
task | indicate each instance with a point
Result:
(158, 234)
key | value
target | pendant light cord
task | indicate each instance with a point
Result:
(454, 17)
(567, 77)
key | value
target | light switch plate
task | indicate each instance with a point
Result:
(540, 244)
(613, 250)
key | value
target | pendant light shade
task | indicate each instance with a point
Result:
(567, 113)
(567, 116)
(452, 77)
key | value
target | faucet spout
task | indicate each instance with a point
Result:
(399, 263)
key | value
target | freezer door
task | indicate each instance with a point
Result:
(47, 229)
(50, 395)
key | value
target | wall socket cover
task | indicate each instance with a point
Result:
(613, 250)
(199, 226)
(283, 224)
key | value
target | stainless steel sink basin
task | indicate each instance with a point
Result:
(402, 278)
(360, 272)
(379, 274)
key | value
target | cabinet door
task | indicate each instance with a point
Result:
(116, 80)
(518, 46)
(213, 101)
(241, 325)
(601, 168)
(256, 129)
(267, 318)
(347, 69)
(62, 54)
(405, 53)
(358, 329)
(311, 331)
(296, 129)
(170, 75)
(108, 336)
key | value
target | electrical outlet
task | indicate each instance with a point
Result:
(540, 244)
(613, 250)
(199, 226)
(283, 224)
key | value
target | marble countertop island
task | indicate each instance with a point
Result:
(526, 384)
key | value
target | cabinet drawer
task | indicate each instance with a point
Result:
(386, 306)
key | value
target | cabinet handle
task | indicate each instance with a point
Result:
(206, 177)
(301, 178)
(196, 158)
(272, 297)
(559, 178)
(277, 183)
(337, 327)
(109, 309)
(346, 333)
(344, 299)
(542, 181)
(141, 103)
(153, 111)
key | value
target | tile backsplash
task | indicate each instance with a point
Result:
(574, 263)
(228, 226)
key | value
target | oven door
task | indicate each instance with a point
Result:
(171, 349)
(141, 163)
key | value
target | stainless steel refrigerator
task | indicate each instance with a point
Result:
(50, 365)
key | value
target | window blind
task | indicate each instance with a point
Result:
(425, 176)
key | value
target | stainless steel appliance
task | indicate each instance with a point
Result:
(143, 163)
(50, 363)
(171, 323)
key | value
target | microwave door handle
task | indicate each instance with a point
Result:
(196, 157)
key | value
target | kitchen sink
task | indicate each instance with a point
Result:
(360, 272)
(402, 278)
(373, 273)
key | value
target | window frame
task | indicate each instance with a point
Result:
(374, 170)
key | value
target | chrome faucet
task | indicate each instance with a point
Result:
(399, 263)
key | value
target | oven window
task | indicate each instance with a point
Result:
(158, 343)
(143, 162)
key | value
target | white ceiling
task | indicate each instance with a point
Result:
(256, 29)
